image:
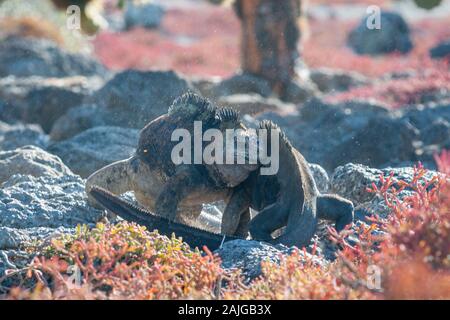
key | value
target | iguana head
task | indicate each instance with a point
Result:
(191, 106)
(228, 118)
(155, 145)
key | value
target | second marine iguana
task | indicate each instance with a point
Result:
(299, 204)
(289, 198)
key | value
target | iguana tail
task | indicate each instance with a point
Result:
(193, 236)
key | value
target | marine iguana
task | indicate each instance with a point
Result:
(299, 204)
(177, 192)
(290, 198)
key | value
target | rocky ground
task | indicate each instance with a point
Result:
(65, 115)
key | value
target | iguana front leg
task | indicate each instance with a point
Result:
(267, 221)
(236, 216)
(335, 208)
(186, 180)
(300, 227)
(244, 224)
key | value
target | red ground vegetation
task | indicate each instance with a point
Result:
(205, 42)
(396, 93)
(415, 253)
(411, 257)
(326, 47)
(189, 41)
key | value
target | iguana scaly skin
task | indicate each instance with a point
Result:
(177, 192)
(299, 204)
(288, 199)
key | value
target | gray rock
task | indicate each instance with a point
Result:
(320, 176)
(40, 208)
(352, 180)
(4, 107)
(356, 131)
(45, 201)
(46, 105)
(328, 80)
(438, 96)
(383, 140)
(9, 109)
(432, 120)
(437, 132)
(147, 15)
(299, 91)
(43, 100)
(359, 112)
(285, 121)
(241, 84)
(393, 36)
(131, 99)
(19, 135)
(252, 103)
(11, 238)
(364, 132)
(28, 56)
(77, 120)
(248, 255)
(96, 148)
(205, 85)
(422, 115)
(441, 50)
(17, 88)
(32, 161)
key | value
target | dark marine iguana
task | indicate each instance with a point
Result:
(177, 192)
(290, 198)
(299, 204)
